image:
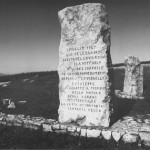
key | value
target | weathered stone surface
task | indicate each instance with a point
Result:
(121, 94)
(56, 126)
(21, 116)
(26, 123)
(116, 136)
(93, 133)
(129, 138)
(47, 128)
(83, 132)
(72, 128)
(147, 121)
(50, 121)
(133, 82)
(133, 130)
(145, 138)
(10, 118)
(85, 68)
(38, 124)
(106, 135)
(63, 126)
(78, 129)
(129, 118)
(17, 121)
(134, 124)
(145, 128)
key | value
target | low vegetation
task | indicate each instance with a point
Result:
(40, 91)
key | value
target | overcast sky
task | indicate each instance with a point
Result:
(30, 32)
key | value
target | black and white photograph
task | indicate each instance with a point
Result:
(75, 74)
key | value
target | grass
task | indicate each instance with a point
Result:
(41, 93)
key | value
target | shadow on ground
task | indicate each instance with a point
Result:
(124, 107)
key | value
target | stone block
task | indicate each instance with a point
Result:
(145, 128)
(63, 126)
(83, 132)
(72, 128)
(116, 136)
(129, 138)
(145, 138)
(93, 133)
(106, 135)
(56, 126)
(47, 127)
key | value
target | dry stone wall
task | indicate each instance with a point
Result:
(128, 129)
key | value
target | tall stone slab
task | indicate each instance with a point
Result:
(133, 82)
(85, 86)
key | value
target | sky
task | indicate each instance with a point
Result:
(30, 32)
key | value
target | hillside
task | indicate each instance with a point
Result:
(41, 93)
(39, 90)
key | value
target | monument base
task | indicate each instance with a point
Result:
(121, 94)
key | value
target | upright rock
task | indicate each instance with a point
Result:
(133, 82)
(85, 68)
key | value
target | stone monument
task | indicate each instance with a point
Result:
(133, 82)
(85, 67)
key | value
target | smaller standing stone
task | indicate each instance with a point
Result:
(133, 82)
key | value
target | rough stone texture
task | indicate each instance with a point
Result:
(78, 129)
(116, 136)
(145, 128)
(133, 82)
(47, 128)
(56, 126)
(145, 138)
(85, 68)
(63, 126)
(133, 130)
(106, 135)
(83, 132)
(121, 94)
(93, 133)
(129, 138)
(51, 121)
(72, 128)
